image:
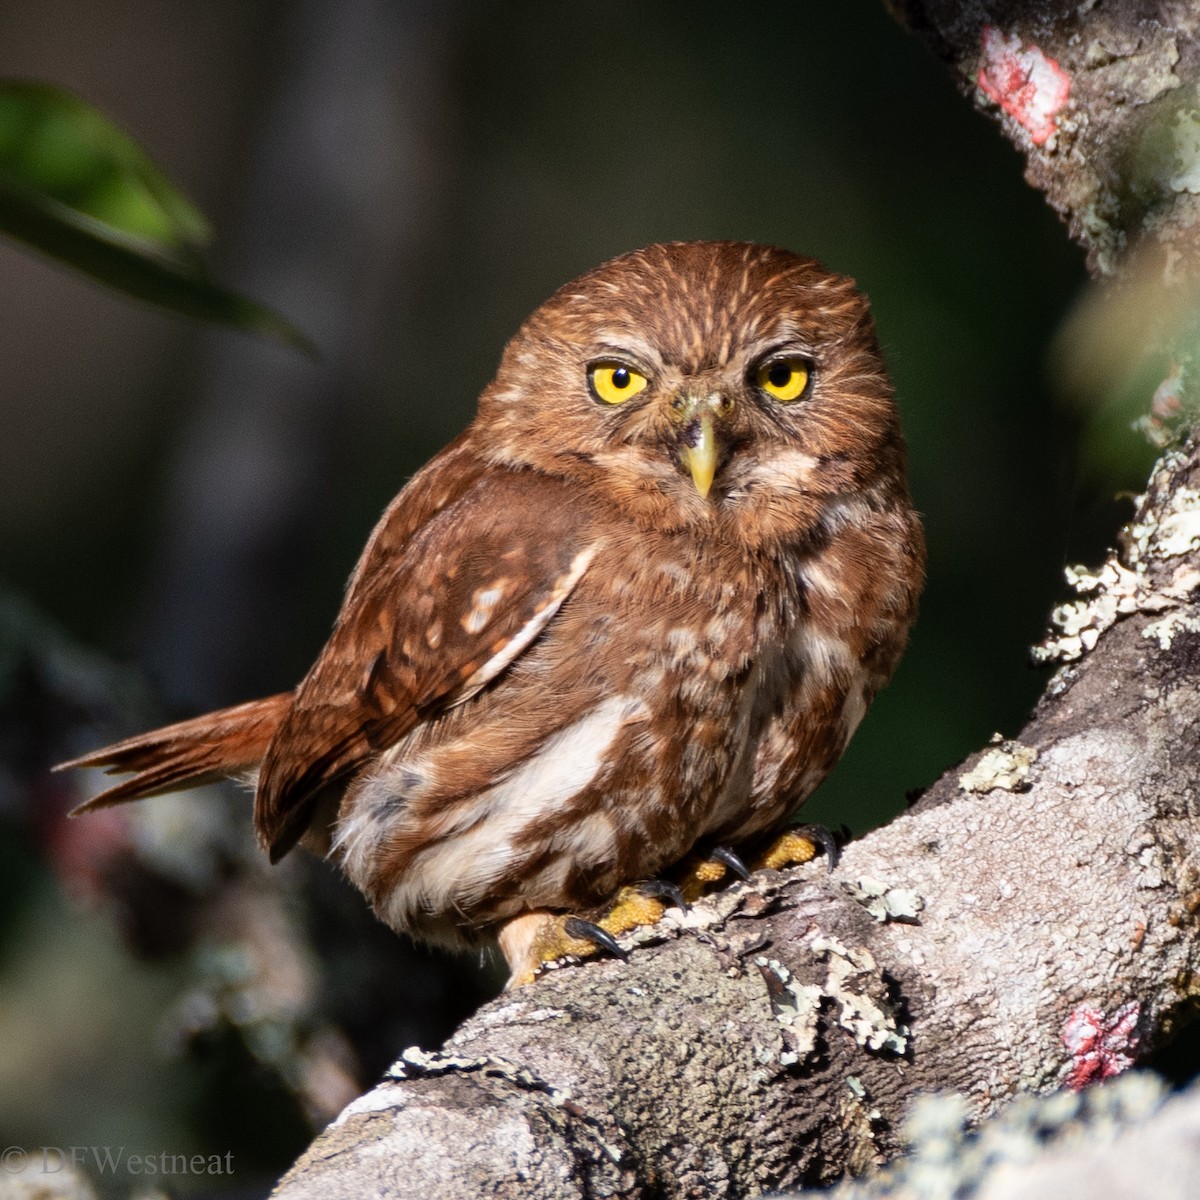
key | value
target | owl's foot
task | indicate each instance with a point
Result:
(532, 940)
(796, 846)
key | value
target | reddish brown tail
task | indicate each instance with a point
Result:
(205, 748)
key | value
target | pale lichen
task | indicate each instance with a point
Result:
(946, 1159)
(853, 985)
(1179, 530)
(416, 1063)
(1174, 623)
(797, 1007)
(1111, 592)
(1141, 69)
(1184, 169)
(1006, 767)
(1168, 527)
(852, 977)
(886, 903)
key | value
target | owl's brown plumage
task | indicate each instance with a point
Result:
(637, 608)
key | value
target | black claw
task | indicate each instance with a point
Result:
(824, 840)
(586, 931)
(663, 889)
(724, 855)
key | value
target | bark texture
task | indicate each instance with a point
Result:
(1101, 98)
(1031, 923)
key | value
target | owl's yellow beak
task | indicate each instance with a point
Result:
(700, 456)
(700, 450)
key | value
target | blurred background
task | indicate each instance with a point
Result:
(180, 506)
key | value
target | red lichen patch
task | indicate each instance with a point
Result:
(1028, 85)
(1167, 402)
(1100, 1046)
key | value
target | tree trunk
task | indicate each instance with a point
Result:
(1030, 924)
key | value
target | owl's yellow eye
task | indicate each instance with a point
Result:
(785, 379)
(614, 383)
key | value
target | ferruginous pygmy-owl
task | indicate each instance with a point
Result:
(632, 614)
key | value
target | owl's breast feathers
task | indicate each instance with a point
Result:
(606, 696)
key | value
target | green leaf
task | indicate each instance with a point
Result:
(75, 186)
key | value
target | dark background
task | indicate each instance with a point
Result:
(407, 182)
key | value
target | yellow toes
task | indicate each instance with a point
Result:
(789, 849)
(700, 876)
(533, 940)
(631, 909)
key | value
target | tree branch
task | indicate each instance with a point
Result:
(1099, 98)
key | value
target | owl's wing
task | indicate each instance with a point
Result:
(432, 614)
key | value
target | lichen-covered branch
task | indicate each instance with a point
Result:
(1068, 1146)
(1030, 924)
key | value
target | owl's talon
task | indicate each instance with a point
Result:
(727, 857)
(824, 840)
(663, 889)
(588, 931)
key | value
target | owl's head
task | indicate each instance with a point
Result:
(702, 381)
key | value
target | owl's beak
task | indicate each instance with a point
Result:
(701, 441)
(700, 454)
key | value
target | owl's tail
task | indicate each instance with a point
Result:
(218, 744)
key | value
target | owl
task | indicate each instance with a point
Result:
(630, 617)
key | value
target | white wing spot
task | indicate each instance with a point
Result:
(844, 511)
(483, 604)
(529, 631)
